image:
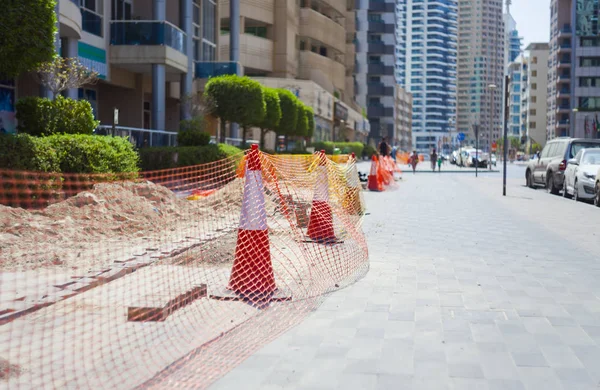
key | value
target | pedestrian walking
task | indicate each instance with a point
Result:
(413, 161)
(433, 158)
(440, 160)
(394, 152)
(384, 148)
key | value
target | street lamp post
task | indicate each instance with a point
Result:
(476, 150)
(492, 88)
(574, 123)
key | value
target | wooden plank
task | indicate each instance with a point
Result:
(153, 308)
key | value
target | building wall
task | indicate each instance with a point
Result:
(537, 86)
(515, 87)
(404, 109)
(480, 64)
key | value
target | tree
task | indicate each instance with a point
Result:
(236, 99)
(27, 30)
(272, 116)
(536, 148)
(515, 143)
(61, 74)
(289, 112)
(301, 121)
(310, 117)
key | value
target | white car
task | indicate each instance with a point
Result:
(580, 175)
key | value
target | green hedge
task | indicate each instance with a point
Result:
(42, 116)
(370, 151)
(68, 153)
(173, 157)
(345, 147)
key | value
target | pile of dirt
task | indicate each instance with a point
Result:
(7, 370)
(95, 227)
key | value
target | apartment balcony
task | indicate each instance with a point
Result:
(381, 48)
(339, 5)
(563, 92)
(320, 28)
(255, 52)
(564, 63)
(565, 31)
(139, 42)
(70, 19)
(380, 27)
(563, 123)
(378, 89)
(322, 70)
(375, 69)
(564, 78)
(564, 48)
(259, 10)
(378, 110)
(205, 70)
(563, 108)
(381, 6)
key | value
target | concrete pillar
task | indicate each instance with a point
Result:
(187, 79)
(159, 13)
(234, 47)
(158, 96)
(70, 49)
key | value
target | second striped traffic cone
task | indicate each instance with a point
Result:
(320, 224)
(252, 274)
(373, 182)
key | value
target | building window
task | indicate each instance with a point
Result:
(590, 61)
(91, 96)
(91, 16)
(534, 60)
(208, 21)
(533, 86)
(208, 51)
(534, 99)
(259, 31)
(534, 73)
(121, 10)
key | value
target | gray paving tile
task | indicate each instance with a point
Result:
(465, 371)
(530, 360)
(536, 378)
(390, 382)
(349, 381)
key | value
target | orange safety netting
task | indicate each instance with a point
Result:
(168, 279)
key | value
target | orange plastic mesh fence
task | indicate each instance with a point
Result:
(168, 279)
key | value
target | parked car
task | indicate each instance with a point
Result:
(597, 190)
(580, 175)
(548, 170)
(470, 157)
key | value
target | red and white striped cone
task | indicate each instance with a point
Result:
(252, 274)
(352, 202)
(320, 224)
(373, 181)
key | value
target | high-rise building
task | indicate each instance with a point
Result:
(404, 119)
(145, 54)
(515, 86)
(308, 48)
(401, 18)
(574, 70)
(513, 42)
(375, 74)
(480, 70)
(533, 97)
(427, 51)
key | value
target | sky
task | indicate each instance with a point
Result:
(533, 20)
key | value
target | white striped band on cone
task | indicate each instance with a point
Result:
(252, 271)
(320, 225)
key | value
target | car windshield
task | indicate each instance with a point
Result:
(577, 146)
(591, 157)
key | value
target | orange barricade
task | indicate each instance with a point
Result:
(168, 279)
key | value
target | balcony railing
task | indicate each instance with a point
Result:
(140, 137)
(77, 2)
(147, 33)
(205, 70)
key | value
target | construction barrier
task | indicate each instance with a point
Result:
(168, 279)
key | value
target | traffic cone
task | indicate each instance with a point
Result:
(383, 172)
(320, 224)
(351, 200)
(252, 274)
(373, 181)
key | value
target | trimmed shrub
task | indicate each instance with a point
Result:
(182, 156)
(79, 153)
(23, 152)
(68, 153)
(345, 147)
(369, 151)
(43, 117)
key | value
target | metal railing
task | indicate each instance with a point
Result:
(234, 141)
(147, 32)
(140, 138)
(205, 69)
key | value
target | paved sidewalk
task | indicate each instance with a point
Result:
(467, 290)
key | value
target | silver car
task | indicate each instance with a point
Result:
(580, 175)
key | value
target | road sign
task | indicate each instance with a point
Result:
(460, 137)
(494, 147)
